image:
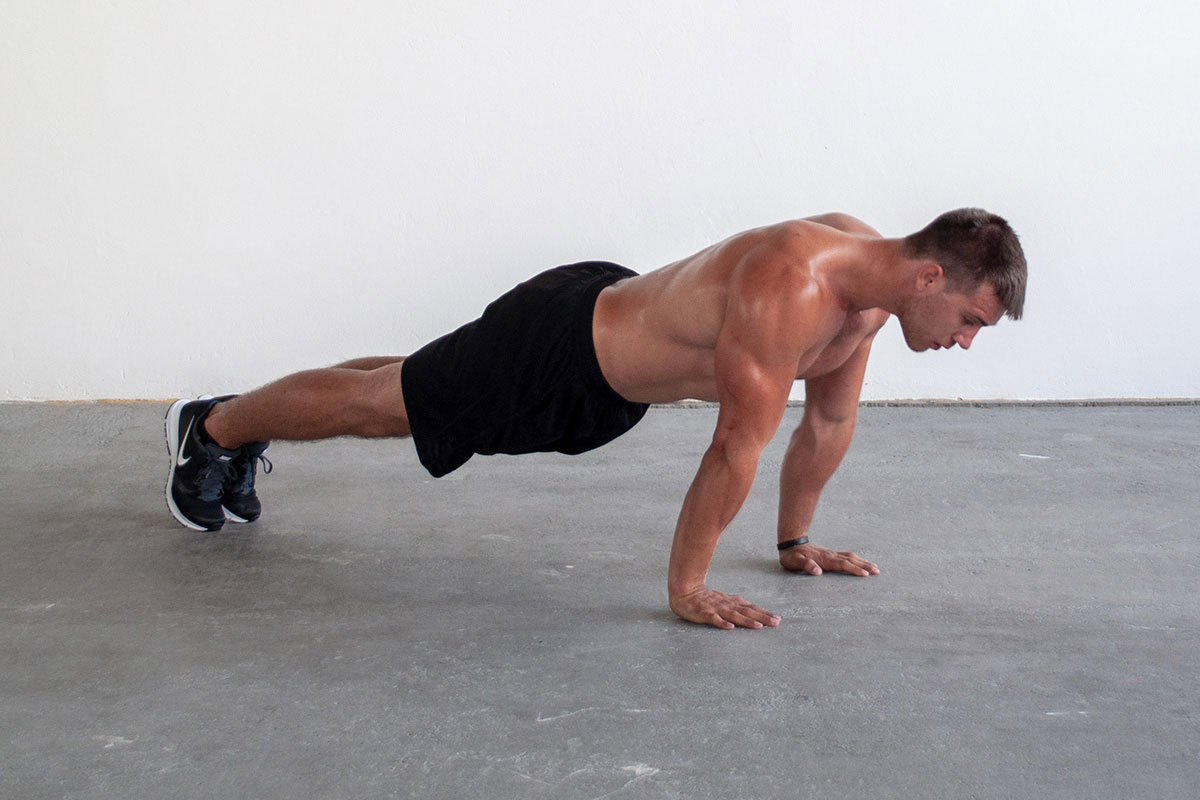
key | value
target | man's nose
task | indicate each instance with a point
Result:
(965, 338)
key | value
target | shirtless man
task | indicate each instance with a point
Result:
(571, 359)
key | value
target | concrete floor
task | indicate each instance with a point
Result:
(504, 633)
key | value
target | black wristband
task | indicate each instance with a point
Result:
(792, 543)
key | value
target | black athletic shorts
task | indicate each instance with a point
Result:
(523, 378)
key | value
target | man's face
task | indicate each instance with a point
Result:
(950, 318)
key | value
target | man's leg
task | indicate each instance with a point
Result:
(369, 362)
(215, 444)
(361, 397)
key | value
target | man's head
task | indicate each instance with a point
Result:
(970, 272)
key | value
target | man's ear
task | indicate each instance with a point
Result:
(930, 278)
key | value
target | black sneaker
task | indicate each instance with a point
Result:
(240, 500)
(199, 470)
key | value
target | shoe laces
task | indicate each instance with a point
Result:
(213, 476)
(243, 470)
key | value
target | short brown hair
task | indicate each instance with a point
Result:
(973, 246)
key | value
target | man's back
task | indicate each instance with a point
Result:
(656, 334)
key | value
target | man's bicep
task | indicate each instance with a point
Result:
(754, 372)
(752, 395)
(769, 323)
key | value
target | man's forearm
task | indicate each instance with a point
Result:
(813, 455)
(714, 498)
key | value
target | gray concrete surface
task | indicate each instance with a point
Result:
(504, 632)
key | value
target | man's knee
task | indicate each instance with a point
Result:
(384, 394)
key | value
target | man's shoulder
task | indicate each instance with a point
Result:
(798, 240)
(794, 233)
(843, 222)
(786, 240)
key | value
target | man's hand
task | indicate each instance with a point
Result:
(710, 607)
(814, 560)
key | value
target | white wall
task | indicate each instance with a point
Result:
(202, 196)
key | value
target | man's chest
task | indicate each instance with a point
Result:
(853, 332)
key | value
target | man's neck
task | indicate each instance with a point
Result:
(870, 275)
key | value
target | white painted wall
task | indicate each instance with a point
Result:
(202, 196)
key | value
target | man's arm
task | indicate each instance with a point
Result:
(757, 350)
(813, 455)
(819, 443)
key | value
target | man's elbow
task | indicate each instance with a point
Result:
(827, 426)
(737, 450)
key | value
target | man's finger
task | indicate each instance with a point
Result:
(867, 567)
(846, 565)
(852, 564)
(812, 567)
(742, 621)
(751, 617)
(861, 562)
(717, 621)
(760, 615)
(766, 617)
(854, 569)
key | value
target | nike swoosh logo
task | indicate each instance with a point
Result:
(180, 460)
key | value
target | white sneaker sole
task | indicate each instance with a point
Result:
(171, 431)
(232, 517)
